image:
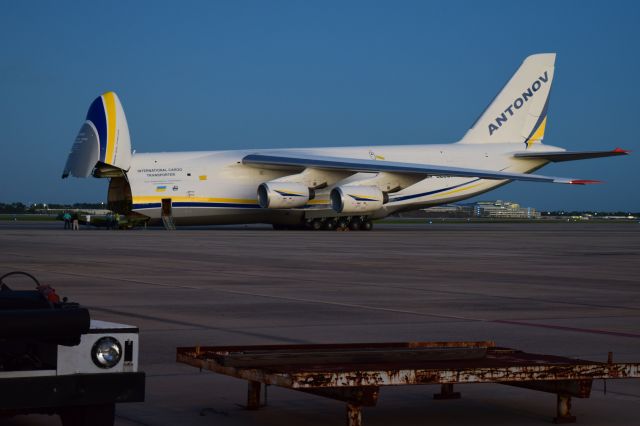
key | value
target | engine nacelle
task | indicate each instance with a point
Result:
(357, 199)
(283, 195)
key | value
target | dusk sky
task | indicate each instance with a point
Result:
(237, 74)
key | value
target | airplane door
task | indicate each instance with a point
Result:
(166, 207)
(167, 215)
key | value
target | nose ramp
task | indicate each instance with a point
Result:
(103, 145)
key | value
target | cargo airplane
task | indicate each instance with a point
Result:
(325, 188)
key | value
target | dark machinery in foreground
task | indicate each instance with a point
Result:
(55, 360)
(354, 373)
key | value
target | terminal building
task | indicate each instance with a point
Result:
(503, 210)
(497, 209)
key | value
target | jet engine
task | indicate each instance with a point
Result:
(283, 195)
(357, 199)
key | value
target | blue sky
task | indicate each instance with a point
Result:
(235, 74)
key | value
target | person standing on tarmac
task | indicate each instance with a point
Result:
(67, 220)
(75, 223)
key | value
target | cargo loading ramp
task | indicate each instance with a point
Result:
(354, 373)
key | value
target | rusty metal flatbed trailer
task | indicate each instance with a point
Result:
(354, 373)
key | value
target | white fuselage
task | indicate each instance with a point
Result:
(214, 187)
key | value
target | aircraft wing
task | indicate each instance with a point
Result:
(558, 156)
(292, 160)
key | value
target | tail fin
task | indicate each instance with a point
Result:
(519, 112)
(103, 145)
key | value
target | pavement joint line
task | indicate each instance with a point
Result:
(358, 306)
(568, 328)
(234, 274)
(351, 305)
(510, 322)
(365, 307)
(199, 326)
(237, 292)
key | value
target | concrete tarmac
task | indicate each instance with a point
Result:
(566, 289)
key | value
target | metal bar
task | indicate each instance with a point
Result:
(247, 374)
(514, 373)
(249, 359)
(199, 350)
(266, 390)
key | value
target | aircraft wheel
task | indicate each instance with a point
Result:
(367, 225)
(316, 225)
(330, 225)
(342, 224)
(354, 225)
(278, 227)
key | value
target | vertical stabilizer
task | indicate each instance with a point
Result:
(519, 112)
(103, 145)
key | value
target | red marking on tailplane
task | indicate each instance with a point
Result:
(584, 181)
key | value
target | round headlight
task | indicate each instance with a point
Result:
(106, 352)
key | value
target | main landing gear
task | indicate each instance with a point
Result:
(355, 223)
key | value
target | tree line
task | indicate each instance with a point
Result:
(18, 208)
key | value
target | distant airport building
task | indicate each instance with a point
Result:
(449, 210)
(503, 210)
(497, 209)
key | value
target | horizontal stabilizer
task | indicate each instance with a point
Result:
(300, 161)
(559, 156)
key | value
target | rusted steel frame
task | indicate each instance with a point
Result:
(354, 415)
(423, 376)
(362, 396)
(563, 410)
(244, 373)
(469, 375)
(195, 351)
(577, 388)
(346, 356)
